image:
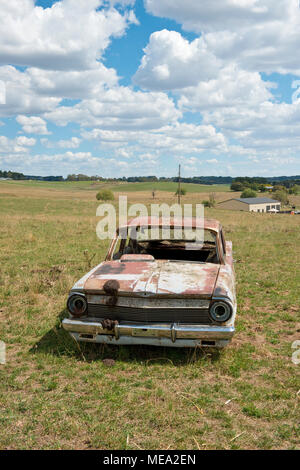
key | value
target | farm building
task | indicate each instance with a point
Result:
(251, 204)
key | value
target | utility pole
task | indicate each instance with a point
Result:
(179, 186)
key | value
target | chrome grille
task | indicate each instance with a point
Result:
(199, 316)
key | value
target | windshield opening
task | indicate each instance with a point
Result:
(169, 244)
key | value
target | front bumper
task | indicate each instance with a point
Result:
(154, 334)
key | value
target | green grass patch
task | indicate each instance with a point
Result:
(170, 187)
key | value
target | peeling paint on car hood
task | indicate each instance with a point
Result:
(155, 278)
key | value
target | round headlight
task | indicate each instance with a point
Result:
(77, 305)
(220, 311)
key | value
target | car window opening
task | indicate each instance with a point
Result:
(164, 244)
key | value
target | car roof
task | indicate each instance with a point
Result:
(192, 222)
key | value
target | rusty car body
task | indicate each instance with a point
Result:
(157, 292)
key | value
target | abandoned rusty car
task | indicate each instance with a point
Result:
(161, 291)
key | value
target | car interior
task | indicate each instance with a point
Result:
(167, 246)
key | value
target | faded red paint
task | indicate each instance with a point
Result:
(155, 278)
(135, 258)
(191, 222)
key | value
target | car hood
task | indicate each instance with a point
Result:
(159, 277)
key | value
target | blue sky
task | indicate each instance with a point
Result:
(121, 88)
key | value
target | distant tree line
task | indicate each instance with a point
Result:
(290, 184)
(287, 181)
(11, 174)
(260, 184)
(20, 176)
(82, 177)
(237, 184)
(280, 189)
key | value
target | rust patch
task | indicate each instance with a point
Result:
(111, 287)
(108, 324)
(110, 268)
(111, 301)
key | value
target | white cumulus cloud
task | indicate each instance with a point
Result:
(33, 124)
(18, 145)
(259, 35)
(172, 62)
(207, 15)
(71, 35)
(21, 97)
(119, 108)
(72, 143)
(231, 87)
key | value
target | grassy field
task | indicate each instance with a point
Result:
(55, 185)
(170, 187)
(56, 395)
(117, 187)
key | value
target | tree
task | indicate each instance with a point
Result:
(105, 195)
(248, 193)
(281, 196)
(206, 203)
(182, 192)
(211, 202)
(254, 186)
(212, 199)
(278, 187)
(294, 189)
(237, 186)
